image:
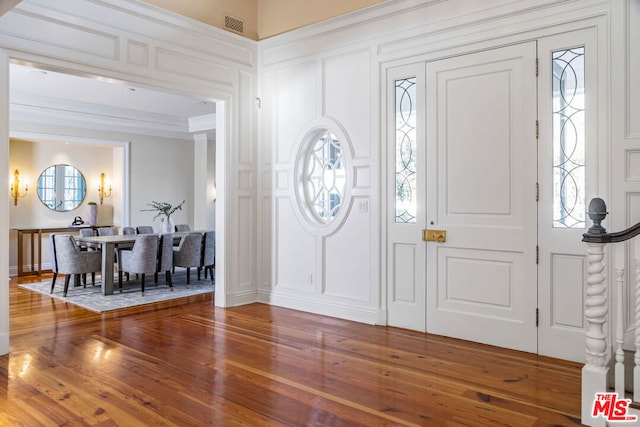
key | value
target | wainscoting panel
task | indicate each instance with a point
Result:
(347, 95)
(349, 279)
(295, 255)
(174, 62)
(137, 53)
(246, 242)
(296, 88)
(404, 278)
(567, 282)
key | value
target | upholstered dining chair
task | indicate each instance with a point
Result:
(165, 258)
(54, 263)
(141, 259)
(183, 227)
(128, 230)
(145, 229)
(208, 254)
(106, 231)
(87, 232)
(70, 260)
(187, 253)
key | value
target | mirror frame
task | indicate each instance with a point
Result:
(60, 187)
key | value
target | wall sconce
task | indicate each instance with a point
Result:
(101, 189)
(15, 188)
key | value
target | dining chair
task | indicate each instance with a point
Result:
(128, 230)
(187, 253)
(106, 231)
(208, 254)
(183, 227)
(165, 258)
(70, 260)
(54, 263)
(145, 229)
(87, 232)
(141, 259)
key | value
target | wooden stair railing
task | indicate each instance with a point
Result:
(598, 352)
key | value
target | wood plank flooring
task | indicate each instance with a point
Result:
(189, 363)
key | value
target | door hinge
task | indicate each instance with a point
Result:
(537, 129)
(537, 254)
(537, 317)
(537, 192)
(537, 67)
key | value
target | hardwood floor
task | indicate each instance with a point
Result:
(191, 364)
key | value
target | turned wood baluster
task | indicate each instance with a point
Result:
(596, 306)
(619, 325)
(594, 373)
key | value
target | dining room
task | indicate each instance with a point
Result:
(121, 168)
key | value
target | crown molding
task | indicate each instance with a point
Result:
(90, 116)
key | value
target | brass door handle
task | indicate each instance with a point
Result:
(439, 236)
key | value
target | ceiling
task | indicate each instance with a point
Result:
(47, 96)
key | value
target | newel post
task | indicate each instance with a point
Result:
(594, 373)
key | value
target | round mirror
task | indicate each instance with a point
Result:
(61, 188)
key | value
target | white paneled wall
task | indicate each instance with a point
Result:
(337, 69)
(317, 270)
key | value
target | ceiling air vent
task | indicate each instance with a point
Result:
(233, 24)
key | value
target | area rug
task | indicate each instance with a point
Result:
(92, 299)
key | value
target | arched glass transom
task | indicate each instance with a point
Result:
(325, 177)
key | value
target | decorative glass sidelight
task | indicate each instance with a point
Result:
(405, 152)
(325, 178)
(569, 181)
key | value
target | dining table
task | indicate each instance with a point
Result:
(108, 246)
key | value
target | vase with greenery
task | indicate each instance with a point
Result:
(165, 210)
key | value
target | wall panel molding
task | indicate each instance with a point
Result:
(51, 32)
(633, 69)
(137, 53)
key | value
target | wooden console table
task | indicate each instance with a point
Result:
(35, 235)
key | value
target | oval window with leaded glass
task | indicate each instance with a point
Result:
(324, 178)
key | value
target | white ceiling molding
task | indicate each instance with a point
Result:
(95, 117)
(203, 123)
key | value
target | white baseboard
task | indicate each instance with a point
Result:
(326, 308)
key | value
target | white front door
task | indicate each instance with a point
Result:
(481, 160)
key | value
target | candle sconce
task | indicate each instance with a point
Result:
(102, 192)
(15, 188)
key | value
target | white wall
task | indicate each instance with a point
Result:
(31, 157)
